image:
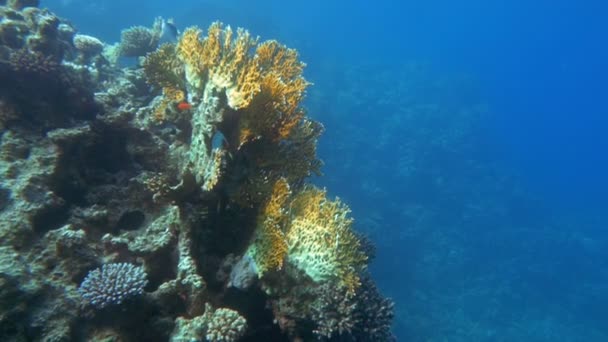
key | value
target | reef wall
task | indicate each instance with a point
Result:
(168, 201)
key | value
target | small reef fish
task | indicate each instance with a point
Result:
(169, 31)
(182, 106)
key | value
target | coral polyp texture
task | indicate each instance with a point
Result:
(112, 284)
(321, 241)
(192, 165)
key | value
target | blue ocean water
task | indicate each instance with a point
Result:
(469, 139)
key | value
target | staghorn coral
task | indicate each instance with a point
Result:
(320, 239)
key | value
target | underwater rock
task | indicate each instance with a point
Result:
(20, 4)
(243, 273)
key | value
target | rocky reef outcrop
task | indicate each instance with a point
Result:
(168, 201)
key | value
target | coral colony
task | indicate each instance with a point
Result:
(122, 220)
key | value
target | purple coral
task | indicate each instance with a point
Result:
(112, 283)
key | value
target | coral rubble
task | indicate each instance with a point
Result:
(193, 167)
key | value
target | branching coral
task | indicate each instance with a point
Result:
(224, 325)
(374, 313)
(216, 325)
(140, 40)
(112, 284)
(333, 311)
(361, 316)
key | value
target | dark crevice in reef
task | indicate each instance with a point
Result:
(107, 152)
(224, 231)
(131, 220)
(5, 197)
(161, 268)
(50, 218)
(128, 320)
(252, 305)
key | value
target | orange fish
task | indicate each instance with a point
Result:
(184, 106)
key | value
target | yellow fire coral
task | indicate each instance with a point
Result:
(275, 112)
(221, 62)
(311, 233)
(228, 63)
(249, 91)
(163, 69)
(170, 96)
(320, 240)
(269, 247)
(294, 159)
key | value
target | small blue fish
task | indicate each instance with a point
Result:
(169, 31)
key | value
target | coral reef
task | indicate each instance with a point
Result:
(200, 180)
(48, 87)
(139, 40)
(224, 325)
(88, 46)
